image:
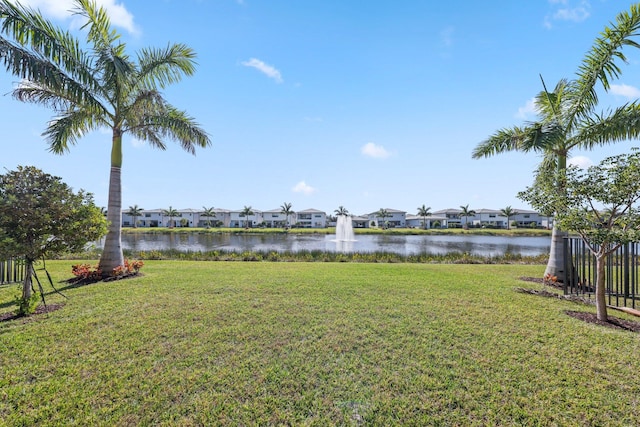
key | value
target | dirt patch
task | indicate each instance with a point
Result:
(7, 317)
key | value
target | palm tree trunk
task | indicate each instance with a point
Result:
(601, 298)
(112, 256)
(555, 265)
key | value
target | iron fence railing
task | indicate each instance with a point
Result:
(622, 273)
(11, 271)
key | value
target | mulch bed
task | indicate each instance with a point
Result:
(613, 323)
(7, 317)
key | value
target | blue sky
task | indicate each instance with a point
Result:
(367, 105)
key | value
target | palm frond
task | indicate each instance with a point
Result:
(621, 124)
(66, 129)
(100, 32)
(161, 67)
(600, 63)
(26, 28)
(506, 139)
(178, 126)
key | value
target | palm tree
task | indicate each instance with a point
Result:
(508, 212)
(568, 120)
(246, 211)
(96, 84)
(466, 213)
(341, 211)
(383, 213)
(287, 211)
(135, 212)
(424, 212)
(208, 213)
(171, 213)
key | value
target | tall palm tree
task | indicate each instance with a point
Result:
(287, 211)
(383, 213)
(424, 212)
(246, 212)
(465, 213)
(135, 212)
(171, 213)
(508, 212)
(341, 211)
(567, 118)
(208, 213)
(96, 84)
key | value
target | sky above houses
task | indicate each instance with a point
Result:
(321, 104)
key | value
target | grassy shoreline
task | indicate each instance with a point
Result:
(524, 232)
(217, 343)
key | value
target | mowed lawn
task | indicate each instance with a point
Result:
(238, 343)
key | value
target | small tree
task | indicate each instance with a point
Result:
(341, 211)
(287, 211)
(208, 213)
(424, 212)
(246, 212)
(39, 216)
(135, 211)
(600, 205)
(171, 213)
(508, 212)
(383, 214)
(466, 213)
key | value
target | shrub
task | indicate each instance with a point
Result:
(26, 306)
(86, 272)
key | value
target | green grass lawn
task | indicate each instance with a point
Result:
(214, 343)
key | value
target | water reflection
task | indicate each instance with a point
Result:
(404, 245)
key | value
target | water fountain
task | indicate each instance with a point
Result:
(344, 229)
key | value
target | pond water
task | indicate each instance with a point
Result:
(400, 244)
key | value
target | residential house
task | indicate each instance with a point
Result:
(274, 218)
(396, 219)
(432, 221)
(237, 219)
(311, 218)
(452, 216)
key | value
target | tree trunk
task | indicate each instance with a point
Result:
(601, 298)
(27, 286)
(112, 256)
(555, 266)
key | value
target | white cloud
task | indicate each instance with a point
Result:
(568, 11)
(626, 91)
(266, 69)
(373, 150)
(576, 14)
(528, 110)
(62, 9)
(304, 188)
(582, 162)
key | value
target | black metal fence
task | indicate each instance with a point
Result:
(11, 271)
(622, 273)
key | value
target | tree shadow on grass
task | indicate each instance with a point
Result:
(72, 283)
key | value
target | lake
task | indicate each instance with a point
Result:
(400, 244)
